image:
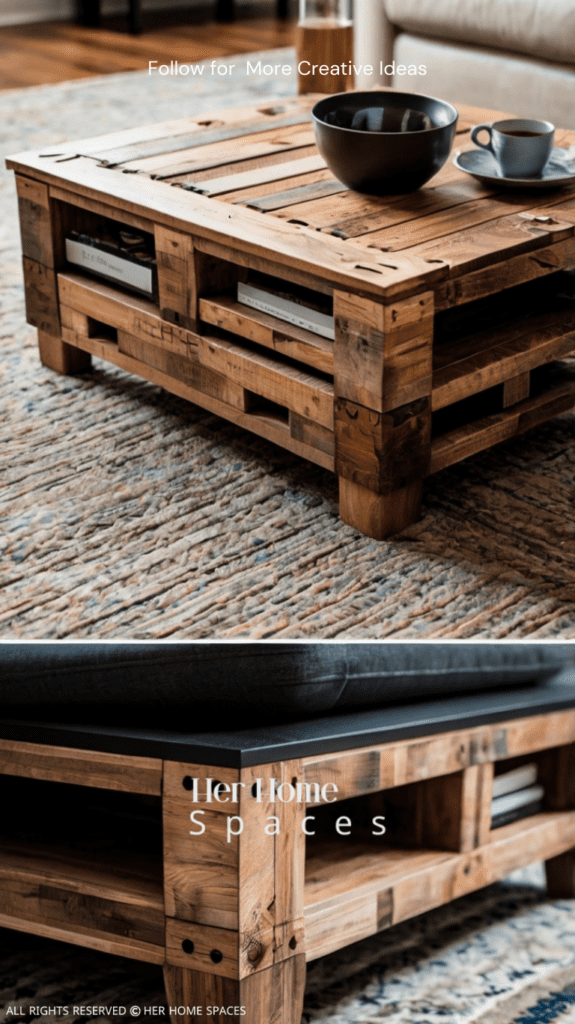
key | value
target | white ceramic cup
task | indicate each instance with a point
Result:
(521, 147)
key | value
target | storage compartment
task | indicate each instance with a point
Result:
(83, 865)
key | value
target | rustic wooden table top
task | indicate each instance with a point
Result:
(253, 177)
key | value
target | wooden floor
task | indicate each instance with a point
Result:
(57, 51)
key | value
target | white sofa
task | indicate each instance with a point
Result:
(512, 55)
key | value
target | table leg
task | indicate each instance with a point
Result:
(135, 17)
(382, 409)
(224, 10)
(560, 872)
(379, 515)
(89, 12)
(272, 996)
(59, 356)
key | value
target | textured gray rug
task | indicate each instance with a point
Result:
(127, 513)
(478, 959)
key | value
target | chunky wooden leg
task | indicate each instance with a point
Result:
(234, 890)
(135, 17)
(59, 356)
(382, 409)
(379, 515)
(560, 873)
(271, 996)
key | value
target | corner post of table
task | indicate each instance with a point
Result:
(186, 274)
(557, 775)
(234, 892)
(382, 408)
(40, 258)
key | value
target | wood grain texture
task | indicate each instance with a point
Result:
(295, 342)
(358, 772)
(81, 767)
(41, 297)
(238, 886)
(58, 355)
(271, 996)
(379, 515)
(92, 900)
(358, 879)
(382, 452)
(270, 427)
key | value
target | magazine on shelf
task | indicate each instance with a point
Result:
(513, 801)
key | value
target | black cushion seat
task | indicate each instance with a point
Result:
(186, 684)
(239, 704)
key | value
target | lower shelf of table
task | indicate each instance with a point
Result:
(555, 395)
(105, 899)
(112, 900)
(356, 889)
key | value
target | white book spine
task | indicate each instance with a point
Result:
(110, 266)
(519, 778)
(511, 801)
(284, 309)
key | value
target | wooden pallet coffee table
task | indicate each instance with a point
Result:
(234, 923)
(429, 365)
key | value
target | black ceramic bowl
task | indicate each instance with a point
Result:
(384, 142)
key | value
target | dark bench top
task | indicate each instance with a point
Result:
(325, 734)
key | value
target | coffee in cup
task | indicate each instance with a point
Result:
(521, 147)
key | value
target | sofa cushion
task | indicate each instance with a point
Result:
(544, 29)
(521, 86)
(190, 686)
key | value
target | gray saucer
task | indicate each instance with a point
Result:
(559, 169)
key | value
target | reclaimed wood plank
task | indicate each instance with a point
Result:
(81, 767)
(474, 437)
(264, 425)
(229, 315)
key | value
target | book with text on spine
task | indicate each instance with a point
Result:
(296, 313)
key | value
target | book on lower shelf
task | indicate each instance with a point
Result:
(300, 306)
(516, 779)
(115, 254)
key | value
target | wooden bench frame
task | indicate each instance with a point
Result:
(234, 923)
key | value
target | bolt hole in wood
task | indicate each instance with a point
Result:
(188, 782)
(188, 946)
(216, 956)
(292, 942)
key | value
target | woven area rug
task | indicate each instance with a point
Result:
(127, 513)
(499, 952)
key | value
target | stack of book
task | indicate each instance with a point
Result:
(516, 794)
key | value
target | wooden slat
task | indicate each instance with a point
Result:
(310, 397)
(263, 424)
(466, 251)
(173, 143)
(276, 172)
(505, 273)
(99, 901)
(497, 355)
(357, 772)
(467, 440)
(295, 342)
(354, 214)
(81, 767)
(357, 880)
(240, 155)
(294, 196)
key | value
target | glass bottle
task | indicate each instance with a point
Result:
(324, 44)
